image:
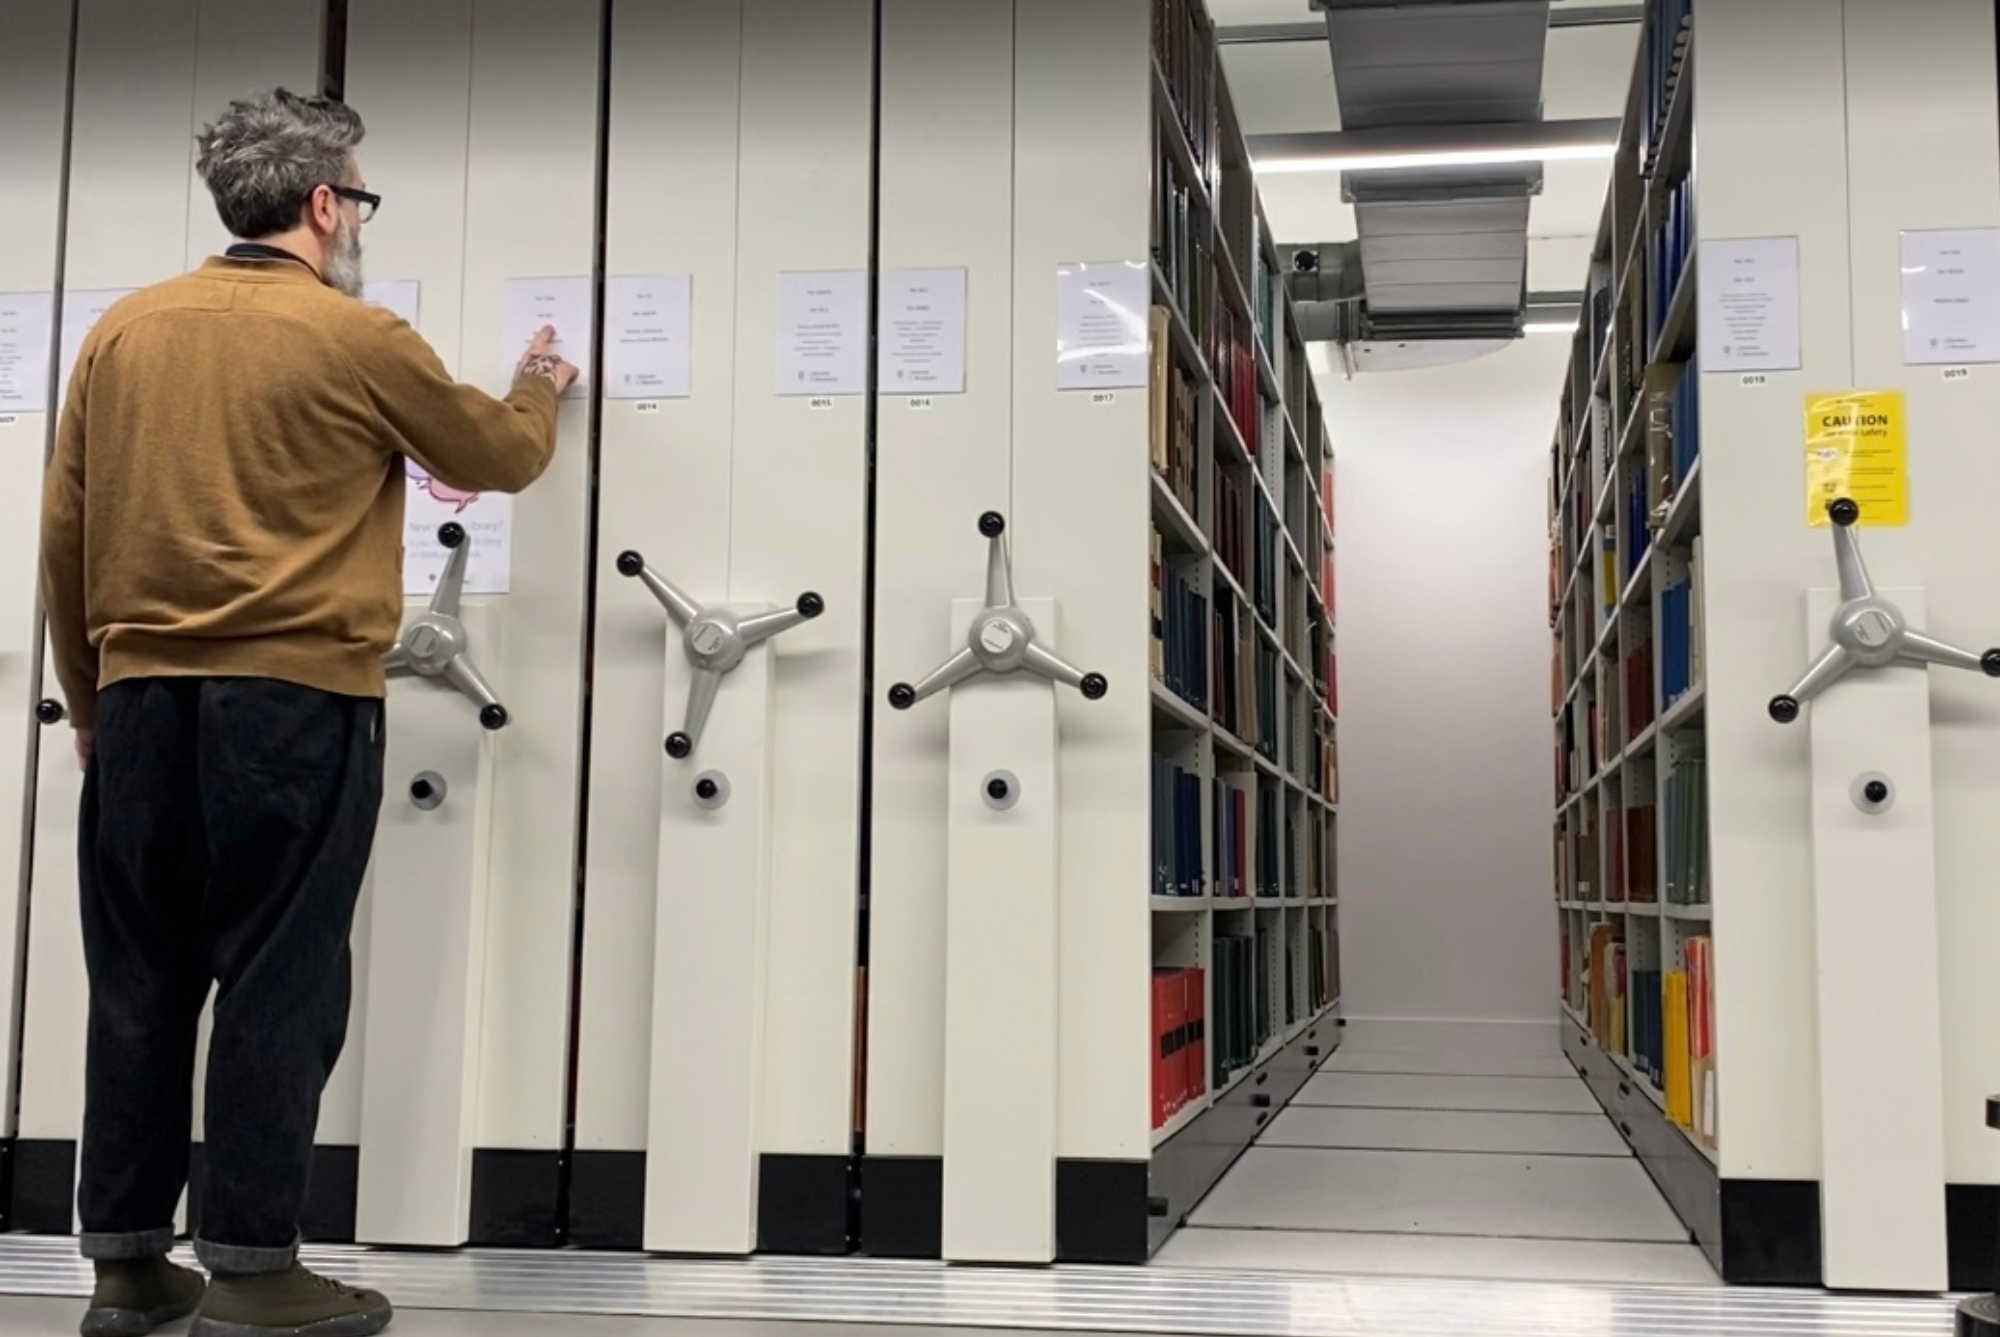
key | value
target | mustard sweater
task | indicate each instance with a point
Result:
(226, 492)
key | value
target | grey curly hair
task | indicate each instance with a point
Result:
(266, 155)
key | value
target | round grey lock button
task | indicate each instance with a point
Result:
(711, 790)
(427, 791)
(1873, 793)
(1001, 790)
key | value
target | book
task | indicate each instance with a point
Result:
(1173, 413)
(1158, 647)
(1699, 953)
(1197, 1032)
(1182, 663)
(1684, 792)
(1696, 667)
(1186, 60)
(1166, 1048)
(1176, 825)
(1616, 989)
(1642, 843)
(1678, 1086)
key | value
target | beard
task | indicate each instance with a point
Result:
(343, 260)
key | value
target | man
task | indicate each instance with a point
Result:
(221, 564)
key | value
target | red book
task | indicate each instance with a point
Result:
(1176, 1047)
(1197, 1046)
(1161, 1041)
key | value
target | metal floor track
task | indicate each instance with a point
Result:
(1149, 1300)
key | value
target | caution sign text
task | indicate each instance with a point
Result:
(1857, 446)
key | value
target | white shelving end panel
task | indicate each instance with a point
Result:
(1881, 1059)
(428, 897)
(710, 962)
(1001, 964)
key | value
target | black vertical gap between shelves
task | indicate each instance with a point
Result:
(864, 845)
(593, 542)
(9, 1158)
(333, 52)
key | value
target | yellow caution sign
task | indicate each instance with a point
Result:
(1857, 446)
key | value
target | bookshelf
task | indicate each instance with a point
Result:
(1181, 523)
(1244, 729)
(1627, 681)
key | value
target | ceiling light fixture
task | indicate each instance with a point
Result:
(1549, 327)
(1384, 162)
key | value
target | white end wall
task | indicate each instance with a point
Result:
(1442, 614)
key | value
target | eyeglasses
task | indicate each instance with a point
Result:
(368, 201)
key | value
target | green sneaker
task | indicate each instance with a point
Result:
(136, 1295)
(296, 1303)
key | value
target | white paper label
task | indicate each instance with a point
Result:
(1951, 296)
(1749, 318)
(822, 332)
(27, 338)
(1101, 314)
(923, 331)
(526, 305)
(648, 333)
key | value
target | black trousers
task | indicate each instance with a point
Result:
(225, 832)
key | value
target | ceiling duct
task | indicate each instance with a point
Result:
(1443, 251)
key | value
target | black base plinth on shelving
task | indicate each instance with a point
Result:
(902, 1206)
(1979, 1317)
(806, 1204)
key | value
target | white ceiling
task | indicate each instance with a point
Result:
(1288, 86)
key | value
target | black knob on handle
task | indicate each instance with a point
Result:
(992, 525)
(1093, 687)
(902, 696)
(451, 534)
(811, 605)
(1843, 511)
(706, 789)
(1990, 662)
(50, 711)
(1875, 791)
(630, 563)
(493, 717)
(1784, 709)
(679, 745)
(421, 789)
(996, 790)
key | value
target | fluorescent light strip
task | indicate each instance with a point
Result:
(1549, 327)
(1449, 158)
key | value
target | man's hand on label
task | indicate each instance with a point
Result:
(541, 360)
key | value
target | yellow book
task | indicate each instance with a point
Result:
(1680, 1090)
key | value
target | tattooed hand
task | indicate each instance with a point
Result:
(540, 361)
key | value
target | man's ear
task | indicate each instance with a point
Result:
(322, 212)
